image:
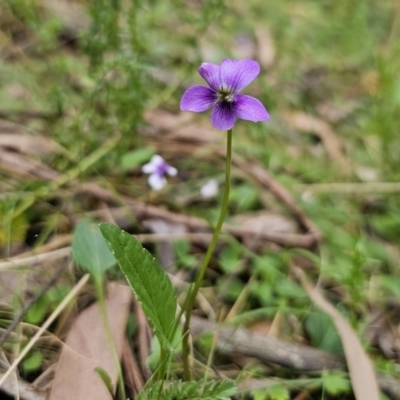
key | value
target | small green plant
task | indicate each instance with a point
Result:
(144, 274)
(91, 252)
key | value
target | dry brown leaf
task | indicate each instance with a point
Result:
(264, 222)
(17, 387)
(181, 127)
(87, 347)
(30, 144)
(381, 330)
(165, 250)
(133, 377)
(266, 47)
(71, 13)
(307, 123)
(362, 375)
(10, 127)
(262, 327)
(333, 112)
(18, 164)
(164, 120)
(196, 133)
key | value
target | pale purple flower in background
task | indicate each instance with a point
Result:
(210, 189)
(158, 168)
(226, 81)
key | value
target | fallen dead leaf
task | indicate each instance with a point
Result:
(87, 347)
(30, 144)
(17, 387)
(164, 120)
(263, 222)
(381, 332)
(17, 164)
(333, 112)
(71, 13)
(362, 375)
(165, 250)
(266, 222)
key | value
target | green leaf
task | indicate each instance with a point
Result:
(323, 333)
(37, 312)
(135, 158)
(12, 228)
(147, 279)
(335, 382)
(278, 392)
(33, 361)
(230, 260)
(193, 390)
(105, 378)
(153, 360)
(259, 394)
(90, 250)
(182, 248)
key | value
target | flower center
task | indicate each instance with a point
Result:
(225, 95)
(161, 169)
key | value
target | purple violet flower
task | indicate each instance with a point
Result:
(226, 81)
(157, 168)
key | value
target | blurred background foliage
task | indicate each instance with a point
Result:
(92, 70)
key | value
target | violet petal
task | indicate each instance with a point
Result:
(223, 116)
(152, 166)
(237, 74)
(171, 171)
(249, 108)
(198, 99)
(156, 181)
(210, 73)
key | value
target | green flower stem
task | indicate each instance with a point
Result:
(206, 260)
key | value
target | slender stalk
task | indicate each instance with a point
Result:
(199, 280)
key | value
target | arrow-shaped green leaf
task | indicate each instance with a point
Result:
(147, 278)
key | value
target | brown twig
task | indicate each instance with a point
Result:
(267, 180)
(142, 211)
(56, 243)
(36, 259)
(32, 260)
(265, 348)
(133, 376)
(143, 341)
(268, 349)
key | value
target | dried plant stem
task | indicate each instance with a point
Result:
(206, 260)
(75, 290)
